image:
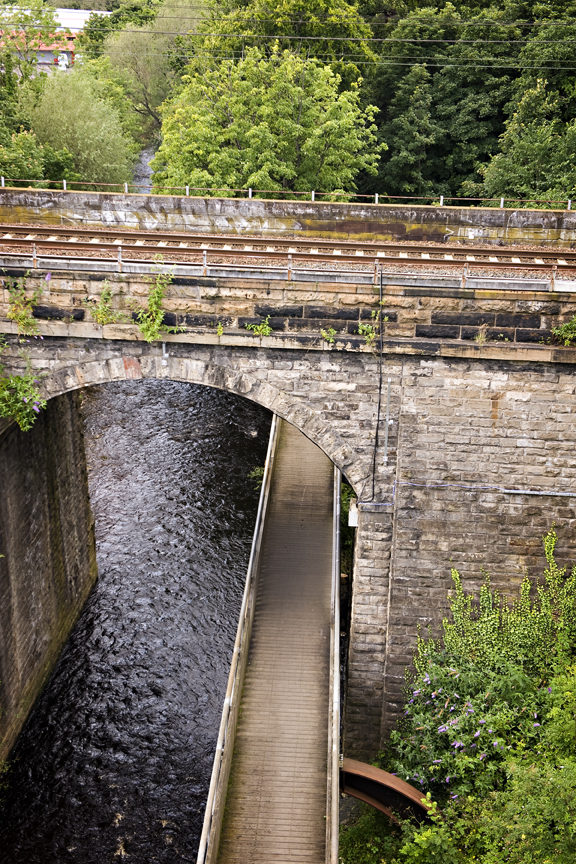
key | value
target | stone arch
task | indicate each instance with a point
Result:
(195, 370)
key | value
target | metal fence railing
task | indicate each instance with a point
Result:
(338, 196)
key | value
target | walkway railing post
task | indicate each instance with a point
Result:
(313, 195)
(204, 263)
(119, 259)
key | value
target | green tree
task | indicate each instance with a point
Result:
(140, 60)
(126, 12)
(314, 28)
(25, 29)
(71, 115)
(537, 157)
(410, 133)
(268, 123)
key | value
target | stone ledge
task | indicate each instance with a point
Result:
(510, 351)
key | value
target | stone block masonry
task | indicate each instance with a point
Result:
(480, 464)
(48, 562)
(299, 311)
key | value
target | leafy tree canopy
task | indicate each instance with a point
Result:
(272, 123)
(333, 31)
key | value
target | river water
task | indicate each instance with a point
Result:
(115, 760)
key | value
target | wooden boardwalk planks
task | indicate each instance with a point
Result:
(276, 801)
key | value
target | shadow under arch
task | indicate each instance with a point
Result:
(209, 373)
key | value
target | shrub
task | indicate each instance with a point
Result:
(489, 730)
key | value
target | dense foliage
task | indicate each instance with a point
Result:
(275, 122)
(449, 98)
(489, 733)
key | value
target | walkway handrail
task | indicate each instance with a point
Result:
(210, 837)
(333, 790)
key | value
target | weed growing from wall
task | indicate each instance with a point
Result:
(20, 398)
(20, 307)
(101, 310)
(566, 333)
(263, 329)
(328, 335)
(151, 320)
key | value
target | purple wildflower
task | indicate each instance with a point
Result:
(536, 724)
(483, 755)
(48, 276)
(482, 721)
(454, 796)
(36, 409)
(476, 734)
(436, 761)
(447, 779)
(549, 689)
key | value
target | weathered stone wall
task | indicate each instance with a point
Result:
(49, 560)
(287, 218)
(468, 430)
(298, 311)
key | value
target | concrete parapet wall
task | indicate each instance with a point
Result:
(289, 218)
(48, 562)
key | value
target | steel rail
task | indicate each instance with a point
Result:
(132, 241)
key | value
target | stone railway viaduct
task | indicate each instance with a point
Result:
(480, 449)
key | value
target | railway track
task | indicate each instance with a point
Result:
(144, 245)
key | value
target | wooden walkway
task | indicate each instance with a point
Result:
(276, 802)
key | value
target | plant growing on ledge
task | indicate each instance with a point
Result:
(262, 329)
(21, 307)
(368, 332)
(101, 310)
(328, 335)
(20, 399)
(566, 333)
(151, 320)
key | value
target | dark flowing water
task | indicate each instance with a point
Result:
(115, 760)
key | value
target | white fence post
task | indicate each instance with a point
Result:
(569, 204)
(249, 193)
(2, 182)
(187, 191)
(312, 196)
(64, 185)
(501, 203)
(441, 200)
(125, 188)
(376, 198)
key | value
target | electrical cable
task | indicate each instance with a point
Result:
(376, 436)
